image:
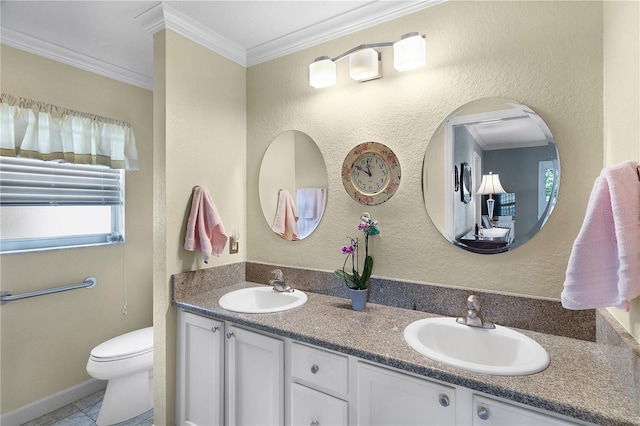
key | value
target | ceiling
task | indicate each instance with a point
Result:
(115, 38)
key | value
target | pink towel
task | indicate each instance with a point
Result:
(285, 222)
(604, 266)
(205, 231)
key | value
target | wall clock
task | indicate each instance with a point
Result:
(371, 173)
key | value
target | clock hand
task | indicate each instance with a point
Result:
(363, 170)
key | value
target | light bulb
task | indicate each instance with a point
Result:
(363, 64)
(322, 73)
(409, 53)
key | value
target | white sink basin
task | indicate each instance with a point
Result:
(499, 351)
(261, 300)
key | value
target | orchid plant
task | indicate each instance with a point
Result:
(356, 280)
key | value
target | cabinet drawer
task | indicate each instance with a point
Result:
(489, 412)
(320, 369)
(310, 407)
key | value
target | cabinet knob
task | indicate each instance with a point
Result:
(314, 370)
(229, 334)
(483, 412)
(443, 400)
(314, 423)
(215, 328)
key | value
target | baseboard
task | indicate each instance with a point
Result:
(51, 403)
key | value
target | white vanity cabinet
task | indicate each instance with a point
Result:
(386, 397)
(253, 393)
(200, 371)
(319, 388)
(255, 372)
(233, 375)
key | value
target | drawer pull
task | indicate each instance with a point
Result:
(215, 328)
(483, 412)
(314, 423)
(443, 400)
(229, 334)
(314, 370)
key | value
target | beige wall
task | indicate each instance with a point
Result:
(622, 103)
(199, 139)
(547, 55)
(46, 340)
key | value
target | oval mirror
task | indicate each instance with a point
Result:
(491, 175)
(293, 185)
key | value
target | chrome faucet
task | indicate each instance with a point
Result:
(278, 282)
(473, 318)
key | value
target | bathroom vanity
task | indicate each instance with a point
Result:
(324, 364)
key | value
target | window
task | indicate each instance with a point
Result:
(547, 186)
(46, 205)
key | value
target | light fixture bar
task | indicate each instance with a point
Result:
(409, 53)
(362, 47)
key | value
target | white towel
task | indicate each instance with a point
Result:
(285, 222)
(311, 204)
(604, 266)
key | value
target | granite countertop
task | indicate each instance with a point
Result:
(578, 382)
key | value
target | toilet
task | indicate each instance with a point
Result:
(126, 361)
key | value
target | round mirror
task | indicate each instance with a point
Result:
(491, 175)
(293, 185)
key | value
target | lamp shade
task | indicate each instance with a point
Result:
(409, 53)
(490, 185)
(322, 72)
(363, 64)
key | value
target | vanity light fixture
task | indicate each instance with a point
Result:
(490, 185)
(364, 60)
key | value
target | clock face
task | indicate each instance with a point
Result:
(371, 173)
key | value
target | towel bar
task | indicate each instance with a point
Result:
(88, 282)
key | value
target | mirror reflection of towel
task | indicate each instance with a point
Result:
(285, 222)
(311, 204)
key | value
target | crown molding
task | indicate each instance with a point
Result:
(70, 57)
(162, 16)
(347, 23)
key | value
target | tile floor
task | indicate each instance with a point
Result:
(84, 412)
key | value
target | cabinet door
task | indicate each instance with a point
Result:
(310, 407)
(200, 371)
(255, 369)
(388, 398)
(489, 412)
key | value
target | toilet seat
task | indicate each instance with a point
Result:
(129, 345)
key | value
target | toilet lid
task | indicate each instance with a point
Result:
(130, 344)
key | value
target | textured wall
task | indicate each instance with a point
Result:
(46, 340)
(547, 55)
(199, 139)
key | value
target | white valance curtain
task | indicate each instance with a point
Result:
(37, 130)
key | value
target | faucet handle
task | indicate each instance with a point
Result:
(278, 275)
(473, 303)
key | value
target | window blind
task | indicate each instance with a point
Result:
(30, 182)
